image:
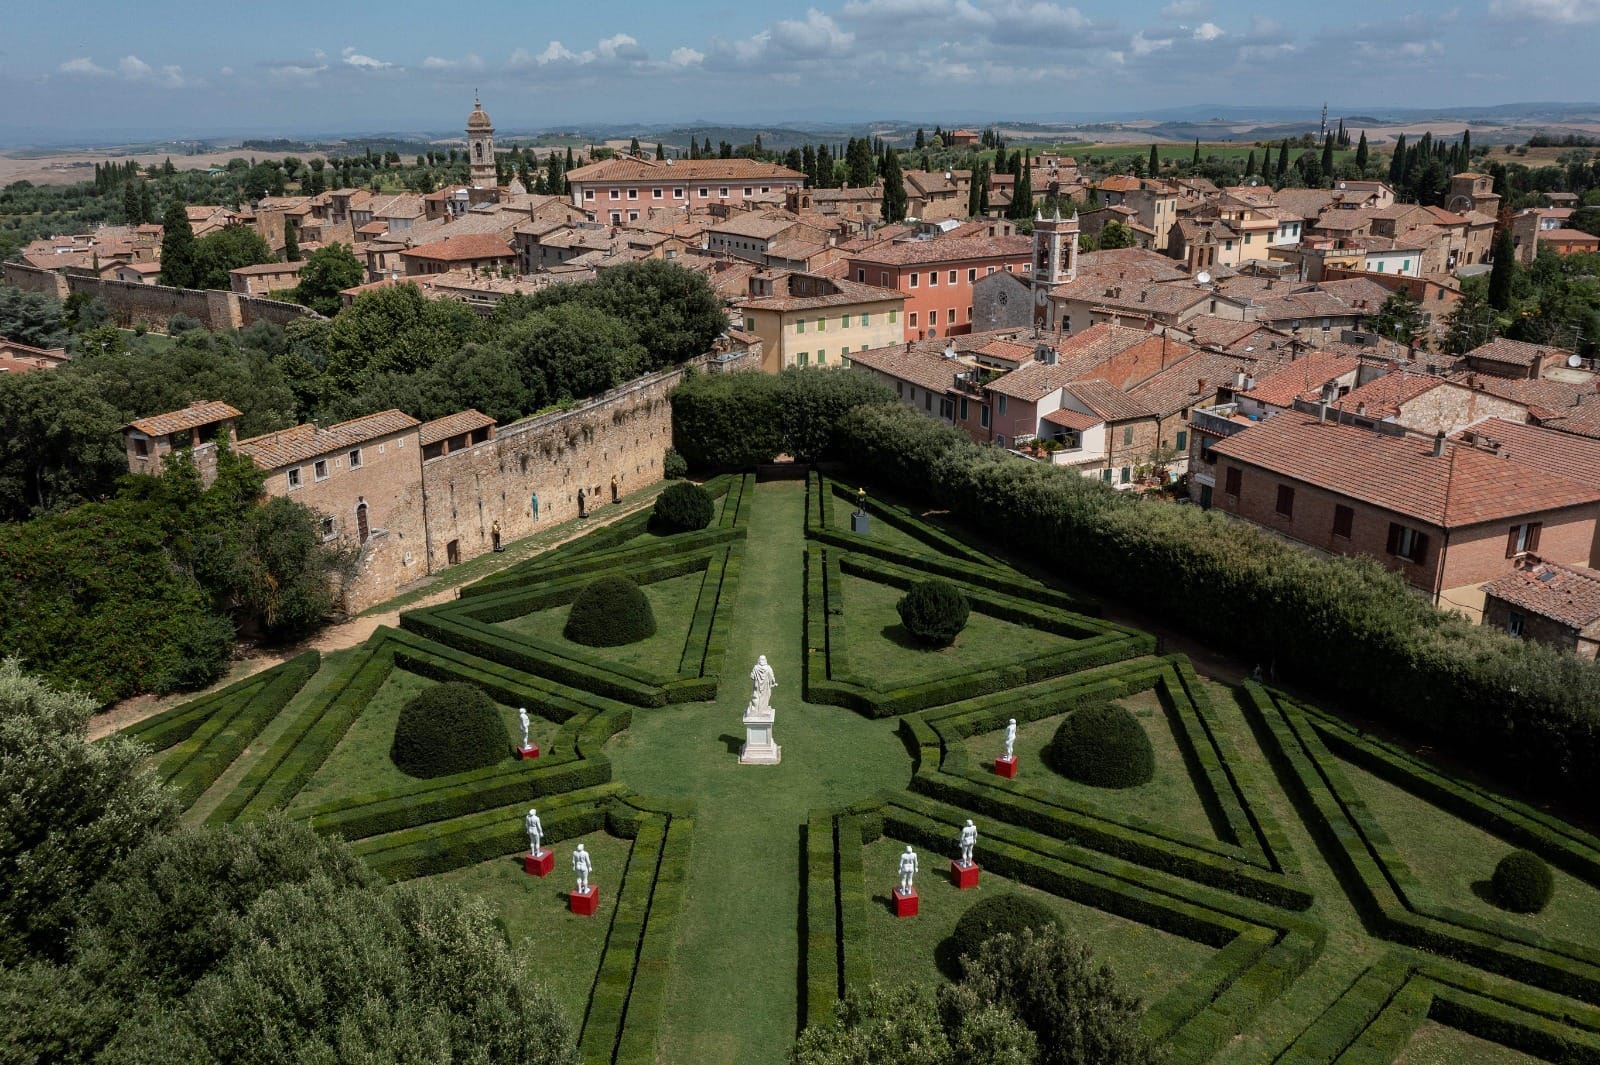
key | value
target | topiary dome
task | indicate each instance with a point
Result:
(934, 612)
(1522, 882)
(1009, 913)
(609, 612)
(1103, 745)
(681, 507)
(449, 728)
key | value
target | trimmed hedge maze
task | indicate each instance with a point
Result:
(1286, 851)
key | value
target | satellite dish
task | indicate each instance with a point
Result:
(1202, 278)
(1574, 361)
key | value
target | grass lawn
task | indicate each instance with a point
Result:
(1170, 797)
(880, 650)
(839, 511)
(1434, 1044)
(735, 989)
(561, 950)
(672, 601)
(360, 764)
(1454, 859)
(1146, 960)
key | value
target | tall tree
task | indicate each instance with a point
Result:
(291, 241)
(330, 270)
(1327, 156)
(1283, 160)
(825, 175)
(1397, 163)
(922, 139)
(1022, 191)
(894, 188)
(661, 150)
(633, 146)
(808, 164)
(180, 258)
(1196, 160)
(1504, 273)
(1250, 164)
(130, 205)
(1154, 166)
(1362, 153)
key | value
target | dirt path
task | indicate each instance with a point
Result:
(355, 630)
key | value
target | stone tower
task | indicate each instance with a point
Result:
(480, 147)
(1055, 249)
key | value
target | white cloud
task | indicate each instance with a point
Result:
(133, 68)
(295, 71)
(470, 61)
(816, 35)
(1143, 45)
(353, 58)
(687, 57)
(1559, 12)
(621, 47)
(84, 66)
(226, 72)
(1208, 31)
(617, 49)
(556, 52)
(1182, 9)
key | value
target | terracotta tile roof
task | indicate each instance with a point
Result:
(759, 225)
(844, 293)
(273, 451)
(1007, 351)
(1108, 402)
(1384, 396)
(1302, 377)
(1568, 236)
(468, 248)
(462, 421)
(1516, 352)
(796, 250)
(1298, 306)
(191, 417)
(1033, 381)
(917, 252)
(268, 269)
(1464, 486)
(1304, 204)
(1555, 452)
(925, 369)
(682, 170)
(1569, 595)
(1068, 418)
(1544, 398)
(1190, 382)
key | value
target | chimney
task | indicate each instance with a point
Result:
(1200, 387)
(1438, 443)
(1238, 379)
(1361, 410)
(1322, 412)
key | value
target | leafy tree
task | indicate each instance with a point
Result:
(32, 318)
(934, 611)
(228, 249)
(329, 271)
(396, 329)
(574, 349)
(1115, 234)
(60, 446)
(1504, 272)
(180, 258)
(1400, 318)
(683, 507)
(484, 377)
(1472, 322)
(894, 188)
(69, 810)
(914, 1025)
(673, 311)
(284, 568)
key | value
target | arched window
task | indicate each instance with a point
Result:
(478, 148)
(362, 530)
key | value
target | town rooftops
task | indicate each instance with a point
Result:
(667, 171)
(821, 292)
(191, 417)
(1068, 418)
(1566, 594)
(1302, 377)
(267, 269)
(273, 451)
(925, 369)
(759, 226)
(462, 421)
(1401, 474)
(1514, 352)
(469, 247)
(954, 249)
(1556, 452)
(1382, 397)
(1108, 402)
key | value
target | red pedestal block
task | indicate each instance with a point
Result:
(530, 751)
(905, 904)
(584, 903)
(1006, 767)
(964, 876)
(539, 864)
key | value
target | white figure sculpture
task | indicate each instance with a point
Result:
(969, 839)
(908, 869)
(582, 866)
(1011, 736)
(535, 832)
(522, 716)
(762, 681)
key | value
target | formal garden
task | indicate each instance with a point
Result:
(1272, 883)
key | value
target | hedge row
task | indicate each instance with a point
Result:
(171, 727)
(646, 1002)
(196, 763)
(828, 494)
(854, 832)
(613, 983)
(1252, 866)
(821, 958)
(542, 568)
(1391, 896)
(1264, 949)
(620, 532)
(740, 494)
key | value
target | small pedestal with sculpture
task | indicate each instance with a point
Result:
(538, 861)
(585, 899)
(963, 870)
(905, 893)
(527, 749)
(759, 747)
(1006, 764)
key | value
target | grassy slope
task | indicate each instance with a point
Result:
(1434, 1044)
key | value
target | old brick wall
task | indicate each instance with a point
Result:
(1451, 407)
(131, 303)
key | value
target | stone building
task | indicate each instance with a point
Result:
(480, 147)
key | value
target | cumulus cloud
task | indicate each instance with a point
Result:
(1557, 12)
(128, 68)
(1207, 31)
(1182, 9)
(815, 35)
(83, 66)
(1143, 45)
(617, 49)
(353, 58)
(621, 47)
(687, 57)
(471, 62)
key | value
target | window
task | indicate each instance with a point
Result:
(1343, 520)
(723, 192)
(1126, 475)
(764, 188)
(354, 458)
(363, 530)
(844, 321)
(1285, 501)
(1407, 543)
(799, 325)
(1000, 440)
(616, 218)
(704, 193)
(1514, 624)
(972, 274)
(1183, 440)
(141, 446)
(913, 280)
(633, 216)
(883, 279)
(952, 277)
(1406, 265)
(900, 389)
(805, 359)
(1127, 434)
(933, 278)
(983, 415)
(989, 271)
(822, 324)
(328, 531)
(294, 477)
(1105, 475)
(927, 400)
(633, 194)
(616, 194)
(822, 356)
(1523, 537)
(1231, 481)
(950, 316)
(1002, 404)
(655, 194)
(748, 191)
(588, 194)
(963, 408)
(677, 194)
(911, 319)
(865, 320)
(319, 469)
(892, 316)
(861, 276)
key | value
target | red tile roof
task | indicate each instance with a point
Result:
(1384, 396)
(1108, 402)
(1464, 486)
(1566, 594)
(1556, 452)
(191, 417)
(1068, 418)
(462, 421)
(469, 247)
(1516, 352)
(302, 443)
(1302, 377)
(949, 250)
(667, 172)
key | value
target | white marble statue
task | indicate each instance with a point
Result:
(522, 716)
(1011, 737)
(908, 869)
(582, 866)
(762, 681)
(535, 829)
(969, 839)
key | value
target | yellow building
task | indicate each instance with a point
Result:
(806, 320)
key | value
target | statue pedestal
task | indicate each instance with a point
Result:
(759, 748)
(905, 903)
(584, 903)
(1006, 767)
(540, 864)
(859, 523)
(530, 751)
(964, 874)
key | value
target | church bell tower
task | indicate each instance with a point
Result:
(480, 147)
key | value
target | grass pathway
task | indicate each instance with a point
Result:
(735, 987)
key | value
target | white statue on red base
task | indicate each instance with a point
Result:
(522, 716)
(535, 832)
(1011, 736)
(582, 866)
(908, 869)
(969, 839)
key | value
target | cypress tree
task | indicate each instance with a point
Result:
(1362, 153)
(1466, 149)
(1250, 164)
(808, 164)
(894, 188)
(180, 259)
(1196, 160)
(1154, 166)
(147, 204)
(130, 203)
(291, 241)
(1327, 156)
(1397, 163)
(824, 167)
(1022, 195)
(555, 175)
(922, 139)
(1283, 159)
(980, 176)
(1505, 269)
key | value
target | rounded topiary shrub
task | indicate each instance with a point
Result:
(609, 612)
(682, 507)
(1008, 912)
(449, 728)
(934, 612)
(674, 465)
(1103, 745)
(1522, 883)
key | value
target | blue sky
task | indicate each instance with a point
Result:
(181, 68)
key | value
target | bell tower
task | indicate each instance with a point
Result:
(1055, 249)
(480, 147)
